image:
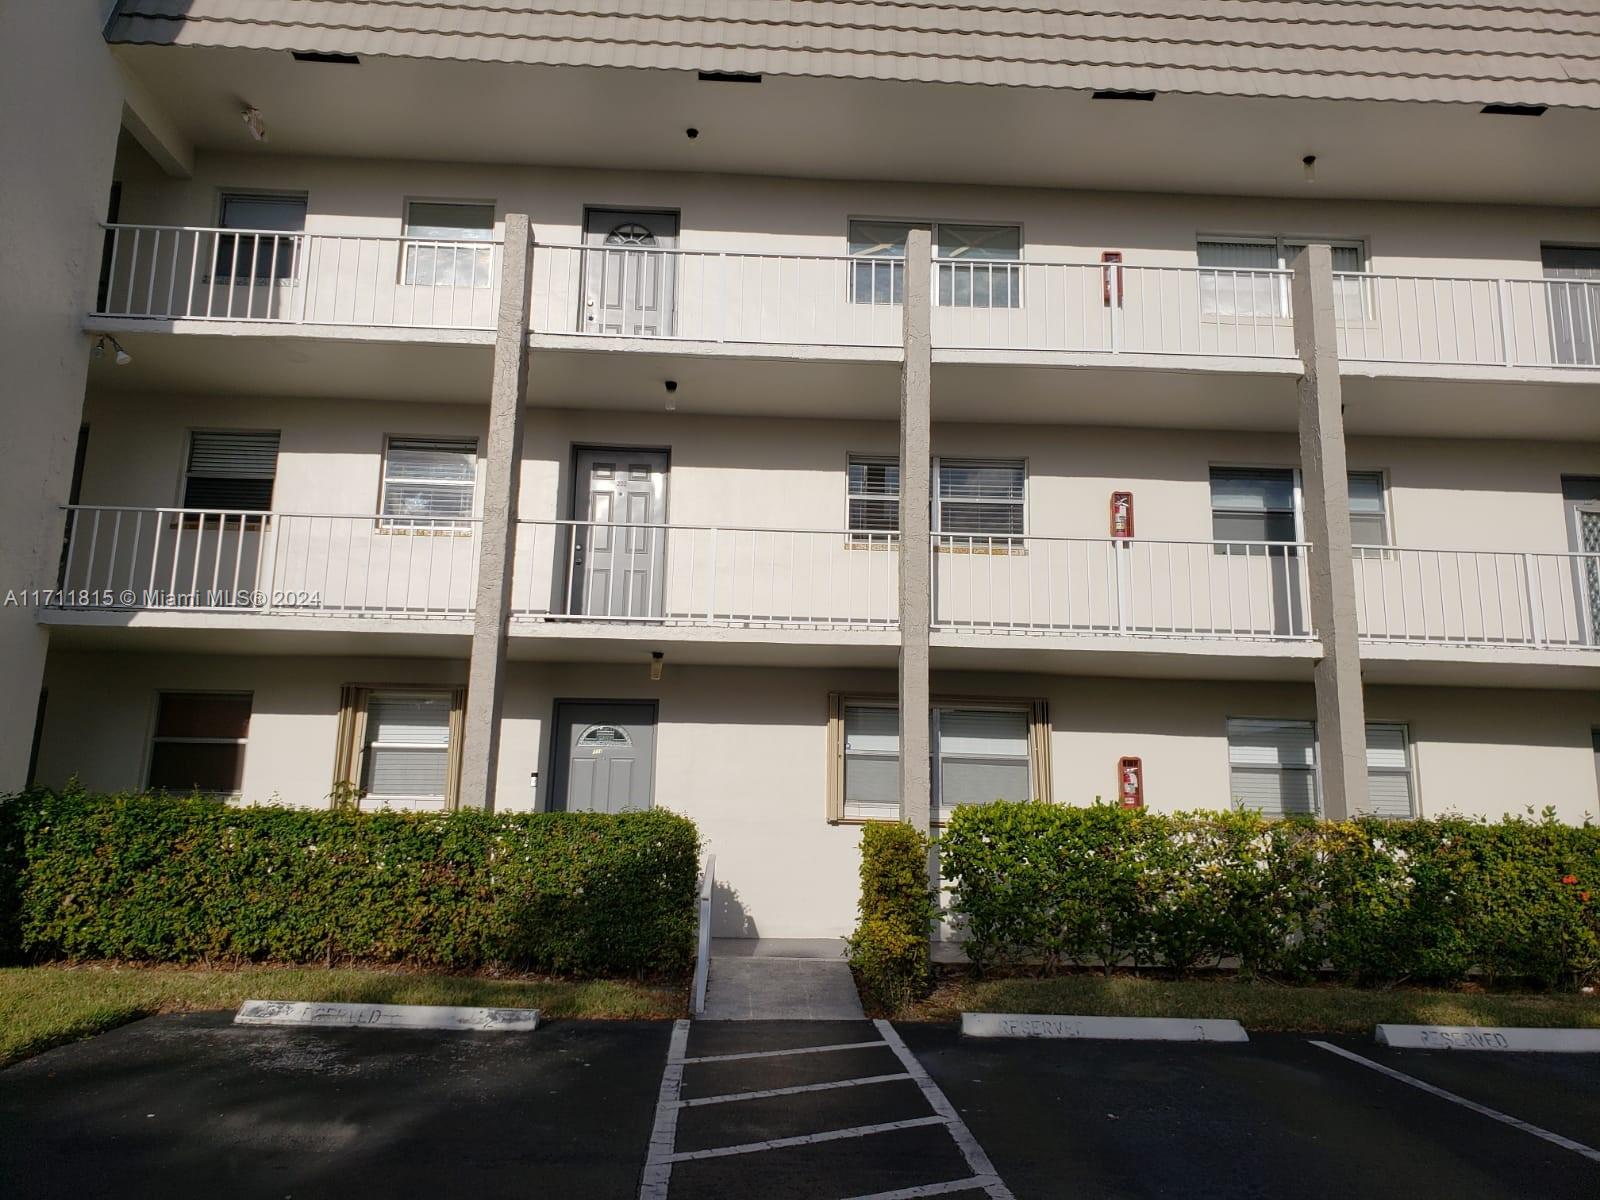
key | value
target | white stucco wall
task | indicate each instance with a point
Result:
(763, 214)
(743, 751)
(61, 96)
(789, 473)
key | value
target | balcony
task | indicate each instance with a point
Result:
(1478, 616)
(833, 322)
(594, 591)
(1233, 609)
(715, 593)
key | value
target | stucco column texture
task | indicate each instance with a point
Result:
(62, 96)
(1341, 711)
(508, 397)
(916, 464)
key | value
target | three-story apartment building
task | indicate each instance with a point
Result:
(805, 414)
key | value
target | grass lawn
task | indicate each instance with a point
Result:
(42, 1007)
(1258, 1006)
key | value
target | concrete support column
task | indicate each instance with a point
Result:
(480, 758)
(1341, 712)
(916, 594)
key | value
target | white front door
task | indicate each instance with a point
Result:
(1584, 536)
(629, 272)
(619, 544)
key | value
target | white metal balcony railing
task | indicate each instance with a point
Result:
(1192, 589)
(198, 274)
(703, 575)
(1478, 598)
(1471, 322)
(739, 297)
(692, 295)
(308, 564)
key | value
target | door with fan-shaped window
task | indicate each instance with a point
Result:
(629, 273)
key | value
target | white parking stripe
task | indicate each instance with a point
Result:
(711, 1058)
(807, 1139)
(930, 1189)
(1483, 1110)
(658, 1162)
(792, 1091)
(988, 1178)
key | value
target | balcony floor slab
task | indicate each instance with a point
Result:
(533, 638)
(1444, 665)
(193, 632)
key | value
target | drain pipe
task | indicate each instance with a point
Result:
(702, 962)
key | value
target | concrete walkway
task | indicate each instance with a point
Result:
(755, 979)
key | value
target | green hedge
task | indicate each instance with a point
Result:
(1373, 901)
(170, 879)
(889, 949)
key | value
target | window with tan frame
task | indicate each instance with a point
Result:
(982, 749)
(400, 746)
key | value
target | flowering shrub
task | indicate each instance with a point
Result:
(185, 879)
(1371, 901)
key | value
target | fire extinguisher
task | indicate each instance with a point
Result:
(1130, 782)
(1122, 515)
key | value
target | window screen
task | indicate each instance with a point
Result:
(874, 494)
(1369, 517)
(199, 742)
(1390, 790)
(878, 275)
(981, 498)
(231, 469)
(1272, 766)
(451, 264)
(267, 251)
(871, 762)
(429, 482)
(982, 756)
(408, 746)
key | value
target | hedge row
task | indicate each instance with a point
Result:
(889, 948)
(1375, 902)
(170, 879)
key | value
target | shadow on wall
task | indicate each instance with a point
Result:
(728, 916)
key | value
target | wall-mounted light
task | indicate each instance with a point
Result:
(251, 115)
(122, 359)
(657, 658)
(1309, 165)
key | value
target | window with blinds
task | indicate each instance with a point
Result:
(977, 263)
(979, 754)
(982, 755)
(982, 499)
(1238, 275)
(428, 264)
(199, 742)
(873, 488)
(231, 469)
(1391, 788)
(871, 762)
(429, 483)
(1369, 511)
(264, 250)
(1272, 767)
(1250, 504)
(407, 751)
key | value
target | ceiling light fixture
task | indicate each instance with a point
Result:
(656, 660)
(251, 115)
(1309, 164)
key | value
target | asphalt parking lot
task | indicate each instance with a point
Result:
(193, 1106)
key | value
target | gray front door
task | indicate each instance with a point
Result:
(604, 755)
(1573, 286)
(619, 544)
(629, 272)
